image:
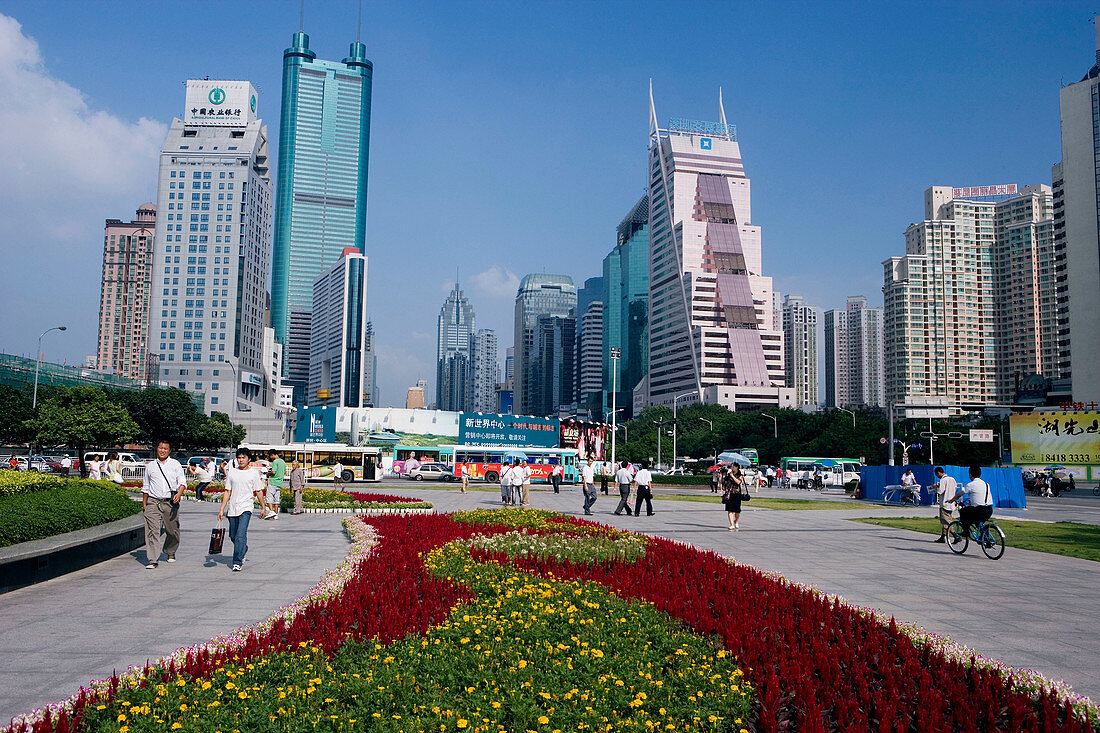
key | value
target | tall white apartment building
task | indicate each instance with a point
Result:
(1026, 288)
(712, 329)
(484, 372)
(212, 243)
(590, 359)
(854, 374)
(125, 295)
(800, 342)
(1080, 186)
(338, 340)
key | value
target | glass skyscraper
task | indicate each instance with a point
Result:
(321, 194)
(455, 333)
(626, 307)
(543, 378)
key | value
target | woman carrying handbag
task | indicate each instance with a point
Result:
(732, 486)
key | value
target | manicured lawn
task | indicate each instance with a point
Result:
(1060, 538)
(764, 503)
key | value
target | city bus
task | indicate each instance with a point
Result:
(402, 454)
(834, 471)
(317, 459)
(751, 453)
(485, 462)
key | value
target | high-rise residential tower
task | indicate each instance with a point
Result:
(1080, 192)
(321, 196)
(213, 237)
(370, 367)
(626, 308)
(455, 332)
(339, 348)
(484, 372)
(711, 326)
(544, 362)
(854, 373)
(125, 294)
(800, 341)
(586, 381)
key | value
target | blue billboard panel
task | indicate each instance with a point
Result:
(510, 431)
(316, 425)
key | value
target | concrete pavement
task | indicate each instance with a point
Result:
(1028, 609)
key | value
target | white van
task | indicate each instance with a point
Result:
(132, 466)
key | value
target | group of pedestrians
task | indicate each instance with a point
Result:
(515, 483)
(623, 477)
(164, 484)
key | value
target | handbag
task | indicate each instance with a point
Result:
(745, 495)
(217, 537)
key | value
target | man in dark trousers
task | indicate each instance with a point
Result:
(555, 477)
(644, 479)
(622, 478)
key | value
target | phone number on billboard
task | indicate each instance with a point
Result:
(1071, 457)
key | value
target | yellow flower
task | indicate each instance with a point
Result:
(543, 720)
(462, 722)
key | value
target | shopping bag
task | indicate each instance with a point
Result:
(217, 536)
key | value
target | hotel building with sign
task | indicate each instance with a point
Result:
(210, 262)
(712, 333)
(321, 193)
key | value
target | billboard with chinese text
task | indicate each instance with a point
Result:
(511, 431)
(1056, 437)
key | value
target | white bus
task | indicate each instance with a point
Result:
(317, 459)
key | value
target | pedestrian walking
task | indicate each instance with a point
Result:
(297, 485)
(715, 477)
(622, 478)
(732, 486)
(66, 465)
(644, 479)
(93, 468)
(505, 484)
(588, 481)
(555, 477)
(465, 471)
(945, 488)
(112, 468)
(242, 486)
(201, 472)
(525, 479)
(275, 484)
(771, 476)
(338, 476)
(605, 476)
(161, 489)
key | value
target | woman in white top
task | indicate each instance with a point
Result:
(242, 484)
(93, 468)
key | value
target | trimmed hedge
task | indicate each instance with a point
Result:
(77, 504)
(682, 480)
(22, 482)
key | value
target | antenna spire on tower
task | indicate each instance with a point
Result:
(652, 111)
(359, 23)
(721, 109)
(302, 17)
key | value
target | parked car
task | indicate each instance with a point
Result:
(431, 472)
(132, 466)
(20, 463)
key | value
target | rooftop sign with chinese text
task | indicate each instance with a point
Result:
(219, 103)
(1004, 189)
(510, 431)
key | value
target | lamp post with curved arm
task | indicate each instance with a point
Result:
(38, 360)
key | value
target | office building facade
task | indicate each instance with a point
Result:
(454, 341)
(370, 367)
(800, 342)
(321, 196)
(338, 342)
(854, 370)
(125, 294)
(1080, 192)
(541, 386)
(626, 309)
(711, 325)
(589, 380)
(484, 372)
(213, 238)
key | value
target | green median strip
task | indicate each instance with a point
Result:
(1071, 539)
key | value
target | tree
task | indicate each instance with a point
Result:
(15, 410)
(217, 432)
(81, 417)
(164, 414)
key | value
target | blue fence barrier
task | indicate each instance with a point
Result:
(1006, 484)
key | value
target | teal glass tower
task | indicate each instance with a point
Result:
(626, 308)
(321, 192)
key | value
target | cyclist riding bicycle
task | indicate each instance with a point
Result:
(975, 500)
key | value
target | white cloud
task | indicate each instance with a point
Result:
(67, 167)
(497, 282)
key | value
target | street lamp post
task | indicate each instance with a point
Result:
(775, 425)
(38, 360)
(850, 413)
(675, 425)
(614, 430)
(615, 354)
(710, 425)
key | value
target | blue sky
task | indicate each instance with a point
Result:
(510, 138)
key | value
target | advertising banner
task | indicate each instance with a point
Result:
(1056, 437)
(316, 425)
(589, 438)
(510, 431)
(219, 103)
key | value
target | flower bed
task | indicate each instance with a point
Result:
(509, 620)
(326, 500)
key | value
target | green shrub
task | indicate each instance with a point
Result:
(682, 480)
(22, 482)
(76, 504)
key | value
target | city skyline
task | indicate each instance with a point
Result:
(55, 64)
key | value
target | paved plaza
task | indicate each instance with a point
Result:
(1028, 609)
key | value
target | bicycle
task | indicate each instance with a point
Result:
(987, 534)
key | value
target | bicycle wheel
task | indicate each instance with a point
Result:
(992, 541)
(957, 538)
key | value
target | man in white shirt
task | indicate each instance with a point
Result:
(505, 483)
(161, 490)
(338, 476)
(910, 485)
(980, 500)
(465, 472)
(946, 487)
(525, 482)
(622, 478)
(644, 480)
(588, 486)
(66, 465)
